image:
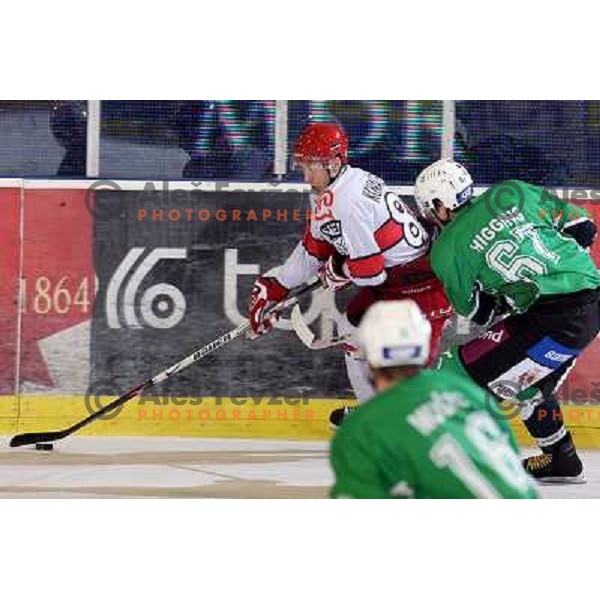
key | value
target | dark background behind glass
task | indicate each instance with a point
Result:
(548, 142)
(545, 142)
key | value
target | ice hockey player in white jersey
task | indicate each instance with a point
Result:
(361, 233)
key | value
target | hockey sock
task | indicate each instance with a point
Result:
(358, 374)
(544, 421)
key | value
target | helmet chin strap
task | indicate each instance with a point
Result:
(439, 221)
(446, 222)
(332, 178)
(434, 214)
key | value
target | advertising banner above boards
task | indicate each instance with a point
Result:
(175, 272)
(120, 279)
(165, 283)
(48, 287)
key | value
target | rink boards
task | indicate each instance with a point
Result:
(105, 286)
(277, 418)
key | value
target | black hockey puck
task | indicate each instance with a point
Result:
(44, 447)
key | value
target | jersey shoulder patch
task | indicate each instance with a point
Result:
(331, 230)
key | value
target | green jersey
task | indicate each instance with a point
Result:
(429, 436)
(509, 242)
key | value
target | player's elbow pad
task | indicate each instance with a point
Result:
(584, 232)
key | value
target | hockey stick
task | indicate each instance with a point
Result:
(307, 337)
(25, 439)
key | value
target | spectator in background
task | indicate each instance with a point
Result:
(68, 122)
(520, 139)
(213, 150)
(391, 139)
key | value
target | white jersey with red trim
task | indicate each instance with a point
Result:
(358, 217)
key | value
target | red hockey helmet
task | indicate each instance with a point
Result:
(321, 142)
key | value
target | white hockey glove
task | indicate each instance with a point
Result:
(331, 274)
(266, 292)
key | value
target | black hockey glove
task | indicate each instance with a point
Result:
(583, 232)
(487, 306)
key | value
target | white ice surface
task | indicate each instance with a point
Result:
(73, 468)
(76, 465)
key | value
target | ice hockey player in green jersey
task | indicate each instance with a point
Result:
(520, 253)
(427, 434)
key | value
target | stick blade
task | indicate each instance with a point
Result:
(301, 327)
(28, 439)
(307, 337)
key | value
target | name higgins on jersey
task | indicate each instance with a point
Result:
(487, 234)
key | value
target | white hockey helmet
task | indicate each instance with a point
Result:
(395, 333)
(445, 180)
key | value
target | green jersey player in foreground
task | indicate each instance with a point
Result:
(427, 434)
(517, 252)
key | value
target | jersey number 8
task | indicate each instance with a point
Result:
(414, 234)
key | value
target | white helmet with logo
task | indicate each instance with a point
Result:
(395, 333)
(444, 180)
